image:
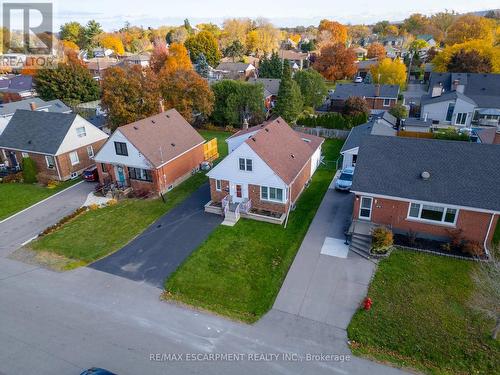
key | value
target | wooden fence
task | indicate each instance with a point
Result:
(210, 150)
(323, 132)
(409, 134)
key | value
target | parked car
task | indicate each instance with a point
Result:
(96, 371)
(358, 80)
(344, 182)
(90, 174)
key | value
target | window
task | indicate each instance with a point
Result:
(271, 194)
(449, 114)
(438, 214)
(73, 157)
(246, 164)
(103, 168)
(218, 185)
(387, 102)
(140, 174)
(25, 155)
(365, 209)
(461, 119)
(354, 160)
(51, 163)
(81, 131)
(121, 148)
(90, 151)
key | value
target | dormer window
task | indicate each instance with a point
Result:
(80, 132)
(246, 164)
(121, 148)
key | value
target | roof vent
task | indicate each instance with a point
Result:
(168, 116)
(293, 156)
(253, 139)
(425, 175)
(136, 128)
(172, 144)
(267, 130)
(153, 121)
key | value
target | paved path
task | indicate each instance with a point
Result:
(28, 224)
(61, 323)
(414, 93)
(159, 250)
(324, 288)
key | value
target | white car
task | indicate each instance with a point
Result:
(358, 80)
(344, 182)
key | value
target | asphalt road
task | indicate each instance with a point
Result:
(158, 251)
(22, 227)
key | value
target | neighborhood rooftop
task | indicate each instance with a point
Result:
(271, 85)
(36, 131)
(461, 173)
(8, 109)
(344, 91)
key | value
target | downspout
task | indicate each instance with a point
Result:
(485, 244)
(289, 204)
(56, 158)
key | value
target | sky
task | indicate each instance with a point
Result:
(113, 14)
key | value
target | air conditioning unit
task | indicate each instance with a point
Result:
(73, 175)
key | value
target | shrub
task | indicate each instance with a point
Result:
(451, 134)
(473, 248)
(382, 240)
(457, 240)
(29, 170)
(16, 177)
(51, 184)
(333, 120)
(112, 202)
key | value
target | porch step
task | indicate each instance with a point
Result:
(230, 219)
(360, 244)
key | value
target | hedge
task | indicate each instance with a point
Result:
(29, 171)
(333, 120)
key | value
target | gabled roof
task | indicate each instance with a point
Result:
(271, 85)
(17, 83)
(376, 126)
(283, 149)
(392, 166)
(451, 95)
(343, 91)
(162, 137)
(234, 66)
(8, 109)
(292, 55)
(36, 131)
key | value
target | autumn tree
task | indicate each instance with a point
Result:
(376, 51)
(235, 29)
(331, 32)
(381, 28)
(128, 95)
(416, 24)
(177, 35)
(355, 106)
(264, 39)
(312, 87)
(357, 32)
(211, 28)
(112, 42)
(336, 62)
(485, 50)
(469, 62)
(289, 104)
(187, 92)
(71, 31)
(177, 59)
(272, 67)
(237, 101)
(389, 72)
(71, 83)
(159, 56)
(470, 27)
(204, 42)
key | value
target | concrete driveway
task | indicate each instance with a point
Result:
(21, 227)
(326, 288)
(158, 251)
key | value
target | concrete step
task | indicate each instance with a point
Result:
(366, 242)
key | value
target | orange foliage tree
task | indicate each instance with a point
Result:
(470, 27)
(376, 50)
(336, 62)
(178, 58)
(112, 42)
(331, 32)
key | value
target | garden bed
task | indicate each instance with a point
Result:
(274, 215)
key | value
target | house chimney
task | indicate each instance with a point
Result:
(455, 85)
(245, 124)
(33, 106)
(377, 89)
(161, 106)
(437, 90)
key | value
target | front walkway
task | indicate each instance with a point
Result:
(27, 224)
(322, 287)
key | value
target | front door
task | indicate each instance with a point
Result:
(13, 159)
(365, 208)
(120, 175)
(239, 192)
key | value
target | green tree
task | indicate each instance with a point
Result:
(368, 78)
(71, 31)
(236, 101)
(90, 31)
(202, 67)
(399, 111)
(290, 103)
(187, 26)
(72, 83)
(271, 68)
(308, 46)
(235, 50)
(312, 86)
(204, 42)
(29, 171)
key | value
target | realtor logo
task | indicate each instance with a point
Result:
(27, 28)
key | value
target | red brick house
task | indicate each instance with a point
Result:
(266, 170)
(61, 144)
(152, 155)
(378, 97)
(429, 187)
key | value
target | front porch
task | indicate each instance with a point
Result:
(233, 211)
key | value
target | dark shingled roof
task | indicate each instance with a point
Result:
(343, 91)
(451, 95)
(462, 173)
(356, 135)
(36, 131)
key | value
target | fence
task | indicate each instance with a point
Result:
(409, 134)
(210, 150)
(323, 132)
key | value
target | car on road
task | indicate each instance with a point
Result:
(90, 174)
(344, 182)
(358, 80)
(96, 371)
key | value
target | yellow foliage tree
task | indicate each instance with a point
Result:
(470, 27)
(295, 38)
(492, 53)
(177, 59)
(112, 42)
(389, 72)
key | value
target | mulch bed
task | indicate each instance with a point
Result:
(426, 244)
(275, 215)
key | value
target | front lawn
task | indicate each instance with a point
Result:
(221, 140)
(15, 197)
(238, 271)
(421, 317)
(496, 235)
(97, 233)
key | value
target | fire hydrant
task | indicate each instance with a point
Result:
(367, 304)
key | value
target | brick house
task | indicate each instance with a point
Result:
(267, 168)
(429, 187)
(61, 144)
(152, 155)
(378, 97)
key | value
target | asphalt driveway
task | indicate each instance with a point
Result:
(160, 249)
